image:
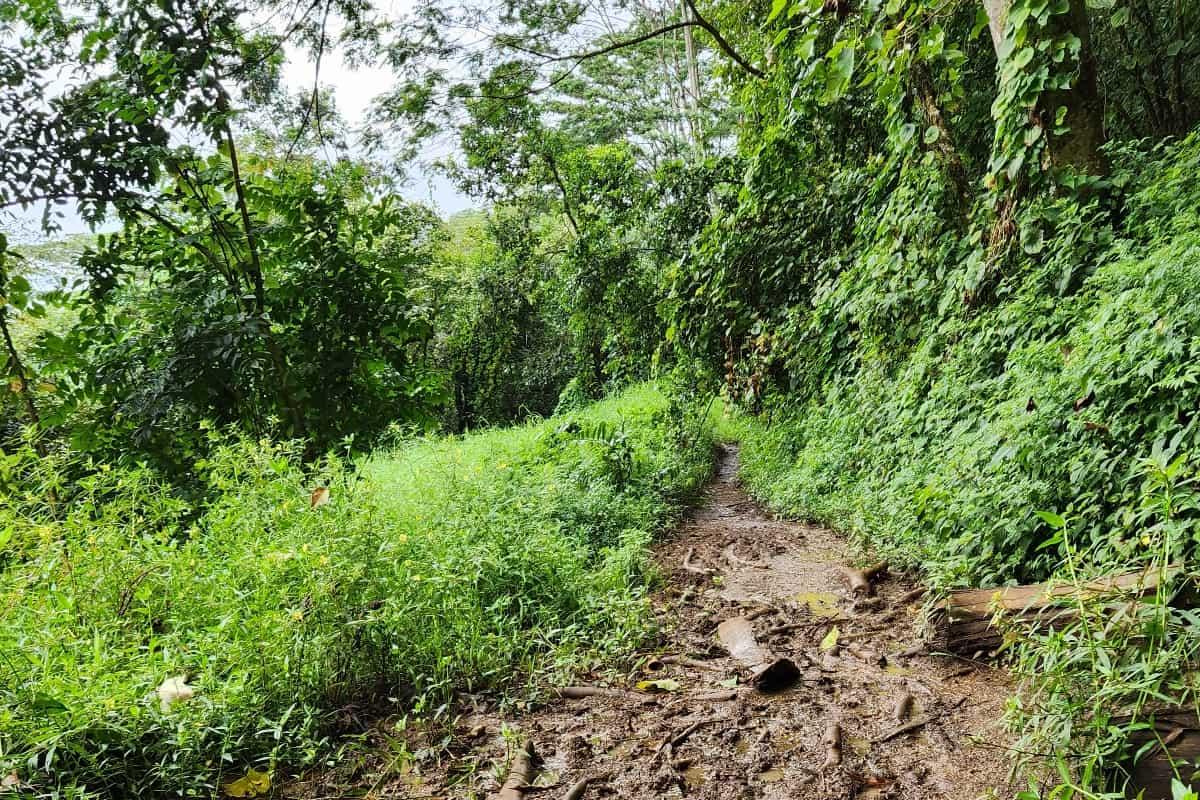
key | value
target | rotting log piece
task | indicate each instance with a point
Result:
(964, 623)
(1170, 743)
(767, 672)
(860, 580)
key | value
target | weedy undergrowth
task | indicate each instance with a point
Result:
(1073, 394)
(280, 616)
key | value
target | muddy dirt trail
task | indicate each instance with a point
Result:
(870, 715)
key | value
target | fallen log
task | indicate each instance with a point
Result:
(964, 623)
(519, 775)
(1171, 742)
(768, 673)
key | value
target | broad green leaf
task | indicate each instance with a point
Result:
(1051, 519)
(44, 702)
(252, 784)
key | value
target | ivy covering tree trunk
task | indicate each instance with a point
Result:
(1071, 116)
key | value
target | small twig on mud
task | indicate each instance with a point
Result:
(578, 692)
(759, 612)
(867, 604)
(694, 569)
(580, 786)
(582, 692)
(796, 626)
(694, 663)
(958, 673)
(908, 597)
(704, 697)
(978, 741)
(916, 724)
(737, 561)
(682, 736)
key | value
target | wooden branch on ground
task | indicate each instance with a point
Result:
(688, 566)
(519, 775)
(860, 579)
(767, 672)
(1171, 741)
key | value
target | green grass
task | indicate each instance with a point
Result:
(495, 561)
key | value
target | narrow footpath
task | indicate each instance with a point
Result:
(865, 713)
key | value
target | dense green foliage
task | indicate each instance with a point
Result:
(1050, 435)
(491, 561)
(1052, 403)
(940, 254)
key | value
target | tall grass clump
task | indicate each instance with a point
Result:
(492, 561)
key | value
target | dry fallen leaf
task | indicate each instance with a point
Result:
(252, 784)
(320, 497)
(174, 690)
(661, 685)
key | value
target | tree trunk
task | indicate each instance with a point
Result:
(997, 14)
(1079, 146)
(693, 68)
(943, 147)
(18, 371)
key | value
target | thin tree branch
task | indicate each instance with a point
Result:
(562, 188)
(725, 46)
(18, 371)
(696, 21)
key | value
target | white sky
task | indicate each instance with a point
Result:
(354, 89)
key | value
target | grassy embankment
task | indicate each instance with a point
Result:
(1079, 405)
(495, 561)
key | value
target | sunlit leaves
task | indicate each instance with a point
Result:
(253, 784)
